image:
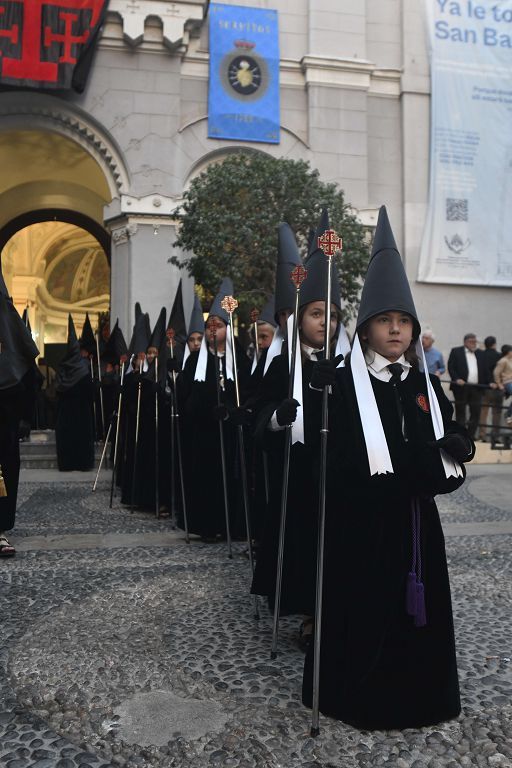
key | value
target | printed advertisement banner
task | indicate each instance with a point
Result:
(468, 234)
(48, 43)
(243, 96)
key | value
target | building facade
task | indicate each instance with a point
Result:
(355, 96)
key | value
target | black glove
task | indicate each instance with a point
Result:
(240, 416)
(457, 446)
(172, 364)
(287, 412)
(220, 413)
(324, 372)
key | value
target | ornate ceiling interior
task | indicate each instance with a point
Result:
(55, 268)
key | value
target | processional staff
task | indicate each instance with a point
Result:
(140, 357)
(104, 451)
(122, 360)
(176, 441)
(99, 379)
(95, 428)
(212, 327)
(255, 313)
(330, 244)
(157, 455)
(229, 304)
(297, 276)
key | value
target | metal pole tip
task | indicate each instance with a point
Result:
(314, 732)
(273, 655)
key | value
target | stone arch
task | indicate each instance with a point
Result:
(47, 113)
(207, 150)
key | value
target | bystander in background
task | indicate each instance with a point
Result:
(466, 369)
(433, 356)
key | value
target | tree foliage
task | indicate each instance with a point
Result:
(229, 218)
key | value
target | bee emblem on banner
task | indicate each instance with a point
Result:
(243, 73)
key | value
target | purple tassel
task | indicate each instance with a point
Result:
(420, 618)
(411, 599)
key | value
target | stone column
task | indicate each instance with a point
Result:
(142, 243)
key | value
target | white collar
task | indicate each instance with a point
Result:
(379, 363)
(310, 351)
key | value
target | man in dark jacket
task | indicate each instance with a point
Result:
(492, 397)
(467, 371)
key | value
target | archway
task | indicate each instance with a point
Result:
(54, 250)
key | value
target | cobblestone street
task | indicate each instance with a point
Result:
(122, 645)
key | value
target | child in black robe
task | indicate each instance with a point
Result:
(387, 656)
(275, 411)
(203, 376)
(74, 427)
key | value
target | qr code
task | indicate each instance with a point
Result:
(456, 209)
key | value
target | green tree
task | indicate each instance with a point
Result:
(229, 218)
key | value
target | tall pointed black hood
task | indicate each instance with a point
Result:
(140, 335)
(386, 287)
(177, 317)
(17, 348)
(73, 368)
(322, 226)
(158, 336)
(87, 339)
(115, 348)
(226, 289)
(288, 257)
(314, 286)
(267, 313)
(196, 324)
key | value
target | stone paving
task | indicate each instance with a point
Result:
(124, 646)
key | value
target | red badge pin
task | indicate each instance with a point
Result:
(423, 403)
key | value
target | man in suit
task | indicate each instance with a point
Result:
(467, 370)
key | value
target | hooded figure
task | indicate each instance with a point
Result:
(204, 382)
(195, 330)
(17, 396)
(274, 411)
(113, 350)
(133, 483)
(178, 324)
(387, 647)
(152, 469)
(74, 431)
(288, 257)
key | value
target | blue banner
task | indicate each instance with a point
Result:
(468, 234)
(243, 95)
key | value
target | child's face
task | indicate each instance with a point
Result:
(390, 334)
(194, 341)
(312, 327)
(265, 335)
(221, 330)
(151, 354)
